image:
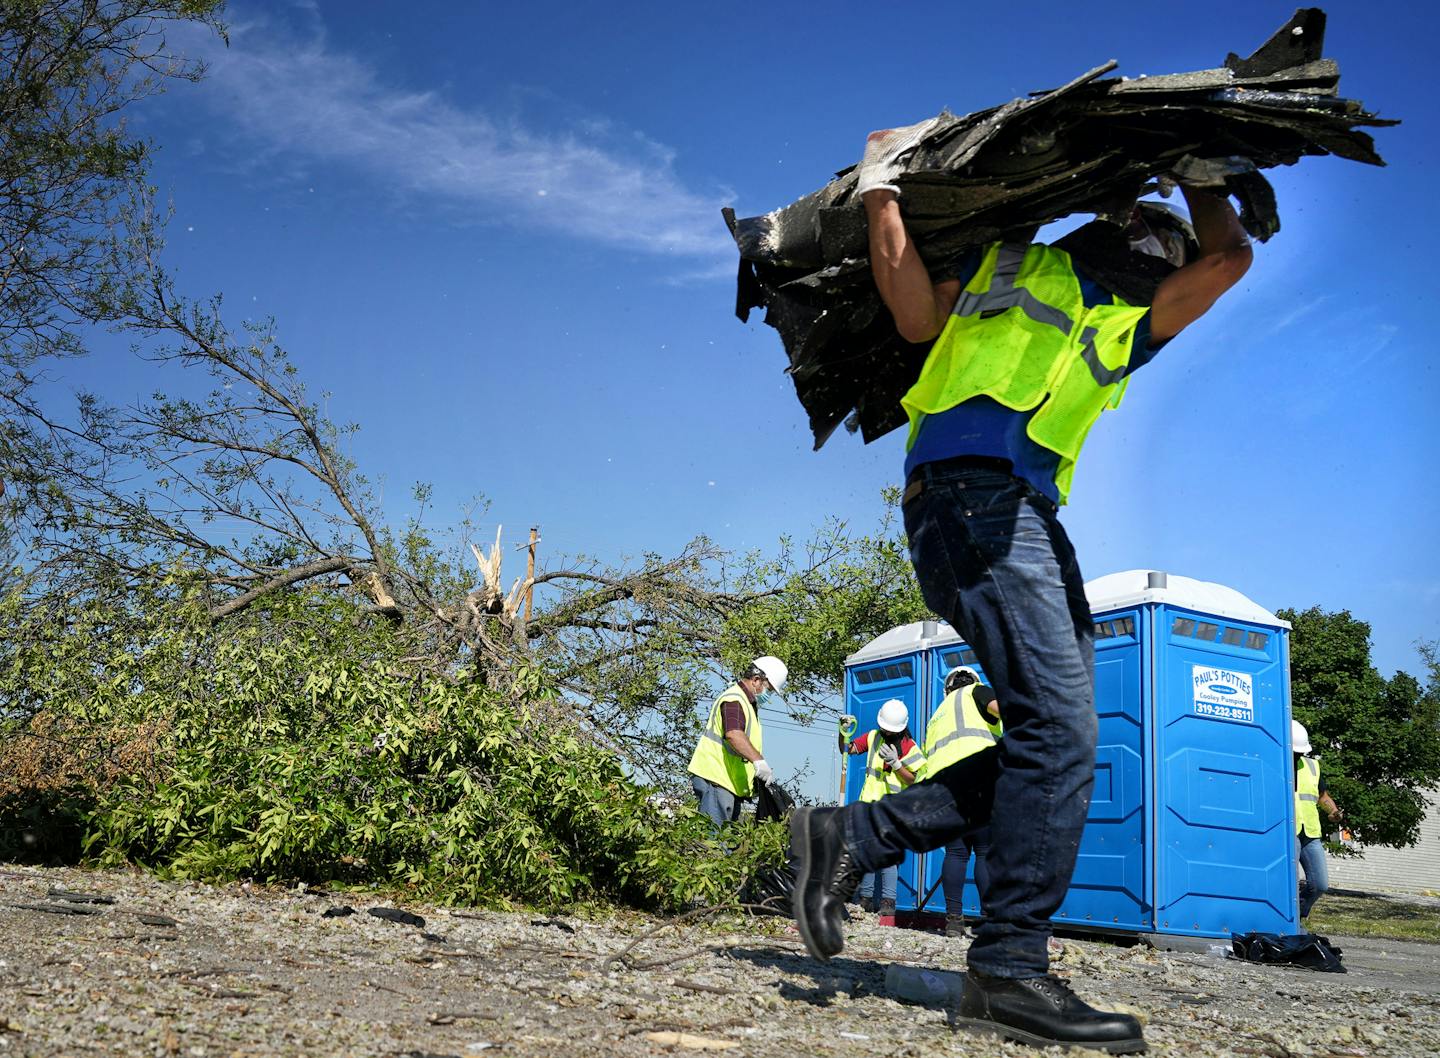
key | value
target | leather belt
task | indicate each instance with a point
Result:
(916, 485)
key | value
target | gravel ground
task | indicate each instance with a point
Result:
(210, 972)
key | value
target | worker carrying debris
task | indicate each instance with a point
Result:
(729, 758)
(908, 291)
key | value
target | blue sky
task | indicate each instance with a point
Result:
(493, 236)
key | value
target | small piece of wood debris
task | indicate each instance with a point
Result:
(449, 1017)
(701, 986)
(79, 898)
(394, 914)
(689, 1041)
(59, 909)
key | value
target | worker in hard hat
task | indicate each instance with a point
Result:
(1310, 797)
(893, 761)
(1026, 351)
(966, 722)
(729, 757)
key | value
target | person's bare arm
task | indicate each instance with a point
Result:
(919, 306)
(1225, 255)
(742, 745)
(1332, 810)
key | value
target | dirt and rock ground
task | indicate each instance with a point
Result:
(210, 972)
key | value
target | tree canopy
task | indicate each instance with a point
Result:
(278, 698)
(1378, 739)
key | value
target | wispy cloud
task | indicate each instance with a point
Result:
(288, 91)
(1299, 312)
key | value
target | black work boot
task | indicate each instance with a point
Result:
(885, 907)
(955, 926)
(825, 876)
(1043, 1012)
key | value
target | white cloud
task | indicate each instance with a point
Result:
(1297, 313)
(303, 102)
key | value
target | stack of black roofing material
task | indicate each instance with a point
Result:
(1091, 146)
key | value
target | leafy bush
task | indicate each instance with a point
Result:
(298, 744)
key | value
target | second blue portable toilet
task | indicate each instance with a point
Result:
(893, 665)
(1191, 825)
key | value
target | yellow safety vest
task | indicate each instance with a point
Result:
(957, 729)
(714, 759)
(1021, 335)
(878, 781)
(1307, 797)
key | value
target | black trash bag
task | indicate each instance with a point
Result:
(1309, 950)
(772, 801)
(770, 891)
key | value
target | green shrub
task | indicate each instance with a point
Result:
(296, 744)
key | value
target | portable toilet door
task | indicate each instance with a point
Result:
(1111, 887)
(947, 651)
(1221, 789)
(893, 665)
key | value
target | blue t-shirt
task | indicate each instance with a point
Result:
(984, 427)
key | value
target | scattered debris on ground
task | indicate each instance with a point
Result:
(195, 971)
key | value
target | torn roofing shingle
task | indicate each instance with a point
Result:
(1089, 146)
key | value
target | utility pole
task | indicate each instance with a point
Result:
(530, 572)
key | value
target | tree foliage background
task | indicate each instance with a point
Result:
(323, 693)
(1378, 740)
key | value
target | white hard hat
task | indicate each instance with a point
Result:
(774, 670)
(1299, 737)
(893, 716)
(952, 678)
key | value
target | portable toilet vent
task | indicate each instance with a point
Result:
(1191, 826)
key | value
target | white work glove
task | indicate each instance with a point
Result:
(763, 771)
(885, 150)
(890, 755)
(1210, 173)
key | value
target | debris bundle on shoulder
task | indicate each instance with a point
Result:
(1090, 146)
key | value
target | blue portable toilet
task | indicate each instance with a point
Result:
(1191, 825)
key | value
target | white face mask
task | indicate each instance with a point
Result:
(1171, 249)
(1150, 244)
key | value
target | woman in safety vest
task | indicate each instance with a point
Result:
(893, 761)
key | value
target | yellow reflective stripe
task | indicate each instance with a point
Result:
(964, 732)
(1103, 376)
(1004, 294)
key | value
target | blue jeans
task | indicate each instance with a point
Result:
(718, 803)
(881, 884)
(992, 558)
(957, 858)
(1311, 854)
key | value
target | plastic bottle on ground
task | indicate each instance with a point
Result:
(921, 985)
